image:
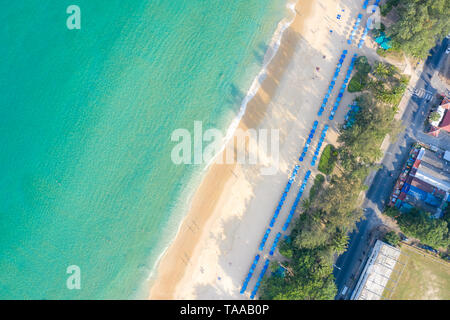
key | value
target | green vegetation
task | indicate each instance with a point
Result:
(392, 238)
(419, 224)
(359, 80)
(315, 189)
(446, 216)
(384, 81)
(421, 24)
(387, 7)
(321, 230)
(419, 276)
(328, 159)
(434, 116)
(392, 212)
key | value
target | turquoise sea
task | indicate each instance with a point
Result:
(85, 122)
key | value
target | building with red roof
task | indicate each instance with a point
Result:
(443, 123)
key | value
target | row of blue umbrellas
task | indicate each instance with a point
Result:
(364, 35)
(319, 145)
(344, 85)
(250, 273)
(308, 141)
(355, 27)
(297, 200)
(283, 197)
(332, 83)
(275, 242)
(264, 239)
(258, 282)
(365, 4)
(292, 178)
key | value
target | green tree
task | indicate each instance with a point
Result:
(434, 116)
(340, 242)
(362, 65)
(286, 249)
(392, 212)
(418, 224)
(421, 24)
(306, 204)
(392, 238)
(382, 70)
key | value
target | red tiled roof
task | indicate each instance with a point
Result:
(445, 123)
(445, 103)
(422, 185)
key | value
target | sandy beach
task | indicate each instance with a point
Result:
(231, 210)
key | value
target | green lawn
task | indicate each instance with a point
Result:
(328, 159)
(420, 276)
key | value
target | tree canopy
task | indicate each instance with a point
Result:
(392, 238)
(419, 224)
(421, 24)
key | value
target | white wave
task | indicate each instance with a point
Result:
(272, 50)
(256, 84)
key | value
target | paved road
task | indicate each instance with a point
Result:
(350, 263)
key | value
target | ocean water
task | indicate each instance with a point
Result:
(86, 117)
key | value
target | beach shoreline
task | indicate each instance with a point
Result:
(234, 204)
(173, 263)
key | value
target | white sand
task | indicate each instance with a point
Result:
(236, 221)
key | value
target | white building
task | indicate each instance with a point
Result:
(376, 273)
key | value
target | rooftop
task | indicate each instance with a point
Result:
(433, 170)
(376, 273)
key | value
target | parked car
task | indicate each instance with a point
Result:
(344, 291)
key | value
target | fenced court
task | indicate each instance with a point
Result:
(418, 276)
